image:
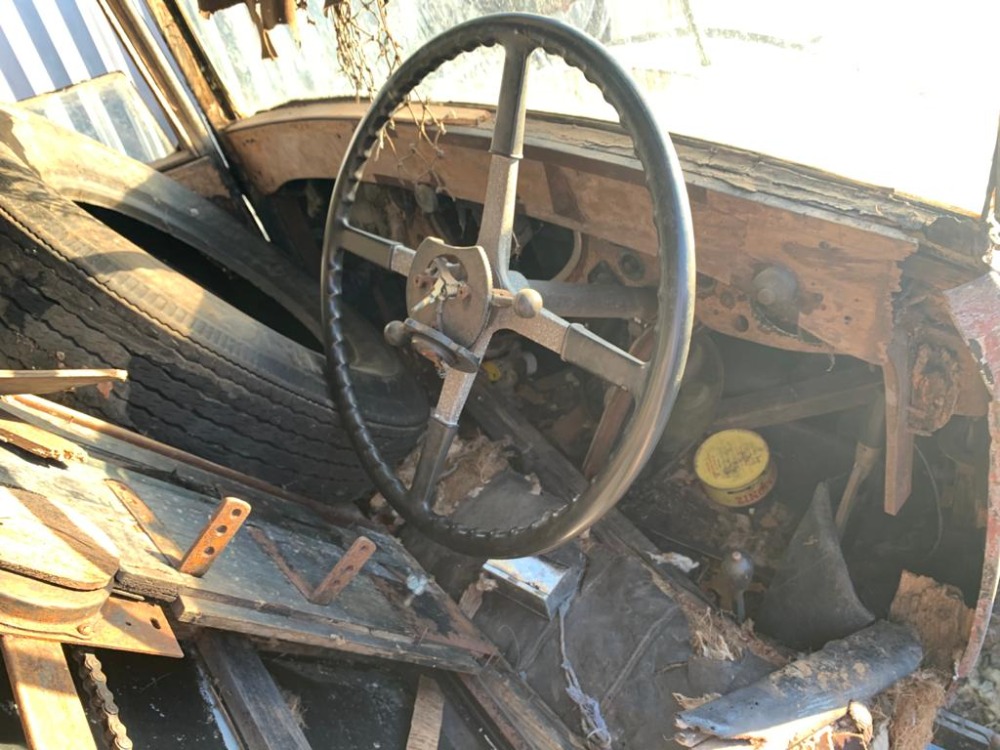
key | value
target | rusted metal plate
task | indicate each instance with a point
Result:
(54, 381)
(974, 310)
(50, 710)
(212, 540)
(344, 571)
(122, 625)
(30, 605)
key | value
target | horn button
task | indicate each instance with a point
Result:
(449, 289)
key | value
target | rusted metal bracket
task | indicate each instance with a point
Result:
(218, 532)
(345, 570)
(122, 625)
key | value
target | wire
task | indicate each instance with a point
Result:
(937, 499)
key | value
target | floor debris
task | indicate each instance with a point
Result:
(916, 701)
(796, 701)
(939, 616)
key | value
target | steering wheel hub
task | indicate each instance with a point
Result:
(449, 288)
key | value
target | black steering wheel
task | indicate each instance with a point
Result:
(458, 297)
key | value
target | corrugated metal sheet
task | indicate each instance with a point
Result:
(49, 45)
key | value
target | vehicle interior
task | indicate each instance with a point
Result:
(512, 373)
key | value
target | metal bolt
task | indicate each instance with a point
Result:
(396, 333)
(85, 629)
(527, 303)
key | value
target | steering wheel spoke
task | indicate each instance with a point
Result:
(580, 346)
(606, 301)
(440, 433)
(383, 252)
(496, 229)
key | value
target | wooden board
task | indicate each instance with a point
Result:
(370, 615)
(77, 554)
(348, 638)
(847, 269)
(428, 713)
(54, 381)
(250, 694)
(50, 710)
(39, 442)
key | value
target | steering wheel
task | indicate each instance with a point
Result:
(458, 297)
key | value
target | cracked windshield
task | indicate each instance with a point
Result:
(880, 92)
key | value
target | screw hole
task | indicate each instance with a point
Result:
(209, 550)
(156, 624)
(741, 324)
(221, 529)
(236, 513)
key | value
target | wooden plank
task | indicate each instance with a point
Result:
(836, 391)
(77, 554)
(40, 382)
(847, 270)
(899, 438)
(50, 710)
(158, 459)
(428, 714)
(519, 714)
(39, 442)
(371, 612)
(329, 636)
(249, 693)
(146, 519)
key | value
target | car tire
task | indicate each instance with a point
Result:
(203, 376)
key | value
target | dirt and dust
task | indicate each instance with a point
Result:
(915, 701)
(938, 614)
(978, 698)
(470, 465)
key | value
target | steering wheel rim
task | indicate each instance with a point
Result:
(519, 34)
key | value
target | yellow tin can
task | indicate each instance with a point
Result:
(735, 468)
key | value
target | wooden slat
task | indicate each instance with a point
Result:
(39, 442)
(836, 391)
(899, 438)
(428, 713)
(517, 711)
(38, 382)
(47, 703)
(369, 616)
(250, 694)
(328, 636)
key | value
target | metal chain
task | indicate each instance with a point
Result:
(101, 701)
